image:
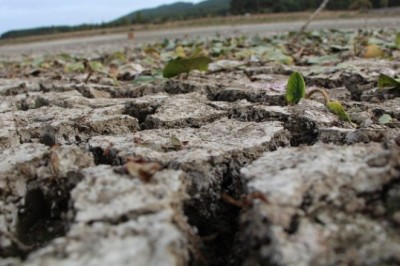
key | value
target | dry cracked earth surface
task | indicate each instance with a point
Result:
(124, 167)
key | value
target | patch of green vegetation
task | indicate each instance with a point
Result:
(385, 119)
(178, 66)
(295, 91)
(384, 81)
(397, 40)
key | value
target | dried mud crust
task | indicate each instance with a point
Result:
(242, 178)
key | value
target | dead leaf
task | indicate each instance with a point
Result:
(175, 142)
(144, 171)
(180, 52)
(373, 51)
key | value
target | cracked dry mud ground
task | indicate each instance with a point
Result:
(330, 192)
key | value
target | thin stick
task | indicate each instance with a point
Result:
(320, 8)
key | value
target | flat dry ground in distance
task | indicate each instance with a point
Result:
(228, 27)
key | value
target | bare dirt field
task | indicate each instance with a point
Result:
(85, 45)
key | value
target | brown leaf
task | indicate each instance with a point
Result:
(107, 151)
(246, 200)
(175, 142)
(144, 171)
(54, 161)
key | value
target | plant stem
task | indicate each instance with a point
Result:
(322, 91)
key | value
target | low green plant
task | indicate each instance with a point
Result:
(384, 81)
(296, 90)
(337, 108)
(178, 66)
(397, 40)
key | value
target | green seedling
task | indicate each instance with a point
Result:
(334, 106)
(295, 91)
(337, 108)
(185, 65)
(384, 81)
(296, 88)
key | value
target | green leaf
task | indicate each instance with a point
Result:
(296, 88)
(385, 119)
(185, 65)
(74, 67)
(96, 66)
(143, 79)
(65, 57)
(146, 79)
(118, 56)
(256, 41)
(322, 60)
(279, 56)
(397, 41)
(38, 62)
(337, 108)
(384, 81)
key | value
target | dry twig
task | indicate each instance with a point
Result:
(320, 8)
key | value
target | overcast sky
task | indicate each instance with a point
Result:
(19, 14)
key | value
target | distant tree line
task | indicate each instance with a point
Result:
(49, 30)
(274, 6)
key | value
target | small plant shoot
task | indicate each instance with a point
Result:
(334, 106)
(384, 81)
(338, 109)
(185, 65)
(296, 88)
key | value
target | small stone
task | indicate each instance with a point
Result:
(48, 136)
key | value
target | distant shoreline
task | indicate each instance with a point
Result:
(213, 21)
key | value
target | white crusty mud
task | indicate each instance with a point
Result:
(121, 221)
(327, 205)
